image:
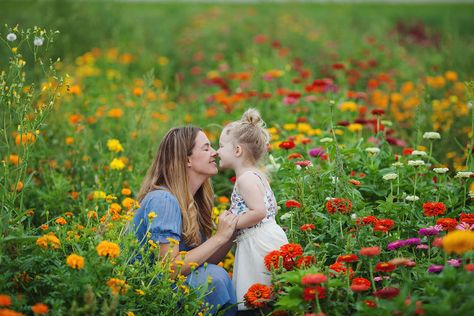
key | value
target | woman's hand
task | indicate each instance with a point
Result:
(226, 225)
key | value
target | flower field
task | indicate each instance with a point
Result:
(369, 108)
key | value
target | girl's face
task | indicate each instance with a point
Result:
(226, 151)
(203, 158)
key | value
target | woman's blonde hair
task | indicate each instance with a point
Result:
(251, 133)
(168, 171)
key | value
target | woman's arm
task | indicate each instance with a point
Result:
(221, 252)
(206, 250)
(253, 195)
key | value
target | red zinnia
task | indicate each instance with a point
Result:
(467, 218)
(309, 293)
(311, 279)
(272, 259)
(370, 251)
(387, 292)
(384, 267)
(305, 261)
(292, 203)
(347, 258)
(340, 268)
(306, 227)
(294, 156)
(378, 112)
(370, 303)
(434, 208)
(360, 285)
(287, 145)
(342, 205)
(291, 250)
(257, 295)
(407, 151)
(447, 223)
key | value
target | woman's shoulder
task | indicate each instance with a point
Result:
(160, 195)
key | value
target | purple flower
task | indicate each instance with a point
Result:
(435, 268)
(454, 262)
(396, 244)
(429, 231)
(317, 152)
(413, 241)
(423, 247)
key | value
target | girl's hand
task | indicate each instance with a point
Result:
(226, 225)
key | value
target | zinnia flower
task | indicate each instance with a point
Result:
(387, 292)
(292, 203)
(306, 227)
(434, 208)
(309, 293)
(435, 268)
(272, 259)
(5, 300)
(384, 267)
(257, 296)
(287, 145)
(291, 250)
(342, 205)
(360, 285)
(370, 251)
(459, 241)
(347, 258)
(311, 279)
(429, 231)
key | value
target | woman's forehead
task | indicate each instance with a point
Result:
(201, 138)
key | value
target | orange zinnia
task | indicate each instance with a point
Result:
(257, 295)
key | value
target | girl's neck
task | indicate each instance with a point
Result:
(240, 170)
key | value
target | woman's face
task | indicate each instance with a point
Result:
(203, 158)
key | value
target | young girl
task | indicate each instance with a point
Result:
(242, 145)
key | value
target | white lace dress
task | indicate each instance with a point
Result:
(254, 243)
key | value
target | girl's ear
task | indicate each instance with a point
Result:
(238, 151)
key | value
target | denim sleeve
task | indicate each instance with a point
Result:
(167, 223)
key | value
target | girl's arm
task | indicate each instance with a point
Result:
(252, 191)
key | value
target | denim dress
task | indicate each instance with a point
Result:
(168, 224)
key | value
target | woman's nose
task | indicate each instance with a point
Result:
(214, 153)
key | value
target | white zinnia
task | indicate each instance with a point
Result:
(463, 174)
(38, 41)
(11, 37)
(372, 150)
(431, 135)
(397, 164)
(412, 198)
(416, 163)
(390, 176)
(419, 153)
(440, 170)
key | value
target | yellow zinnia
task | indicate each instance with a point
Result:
(459, 241)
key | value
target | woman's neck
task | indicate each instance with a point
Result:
(195, 182)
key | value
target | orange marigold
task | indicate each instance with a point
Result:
(257, 296)
(40, 308)
(5, 300)
(9, 312)
(48, 240)
(108, 249)
(75, 261)
(117, 286)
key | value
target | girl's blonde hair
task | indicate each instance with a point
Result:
(251, 133)
(169, 172)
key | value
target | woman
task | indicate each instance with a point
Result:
(178, 189)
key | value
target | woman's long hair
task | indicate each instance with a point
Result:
(169, 171)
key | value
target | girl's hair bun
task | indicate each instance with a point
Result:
(252, 116)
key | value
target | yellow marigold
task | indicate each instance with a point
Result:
(289, 126)
(303, 127)
(129, 203)
(355, 127)
(60, 221)
(151, 215)
(185, 289)
(152, 244)
(163, 60)
(130, 313)
(117, 164)
(117, 286)
(172, 241)
(459, 241)
(14, 160)
(108, 249)
(139, 292)
(348, 106)
(75, 261)
(115, 208)
(114, 145)
(44, 227)
(115, 113)
(25, 139)
(315, 131)
(126, 191)
(48, 240)
(193, 265)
